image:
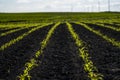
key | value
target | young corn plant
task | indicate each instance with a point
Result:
(111, 40)
(6, 45)
(33, 62)
(109, 27)
(83, 53)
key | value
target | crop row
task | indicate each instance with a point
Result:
(111, 40)
(32, 63)
(12, 31)
(13, 41)
(89, 67)
(88, 64)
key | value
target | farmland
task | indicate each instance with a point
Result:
(60, 46)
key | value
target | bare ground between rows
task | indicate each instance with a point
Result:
(104, 55)
(60, 59)
(13, 59)
(110, 33)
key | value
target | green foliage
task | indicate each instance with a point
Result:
(45, 41)
(25, 20)
(6, 18)
(28, 67)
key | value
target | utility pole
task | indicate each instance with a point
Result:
(109, 5)
(92, 8)
(98, 5)
(71, 8)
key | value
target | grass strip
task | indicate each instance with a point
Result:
(33, 62)
(83, 53)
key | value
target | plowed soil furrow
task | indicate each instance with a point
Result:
(110, 33)
(7, 38)
(60, 59)
(13, 59)
(104, 56)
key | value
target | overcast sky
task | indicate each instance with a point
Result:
(57, 5)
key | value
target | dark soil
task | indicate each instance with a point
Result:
(104, 55)
(61, 59)
(106, 31)
(13, 59)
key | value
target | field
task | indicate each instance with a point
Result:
(60, 46)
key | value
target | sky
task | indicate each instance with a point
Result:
(58, 5)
